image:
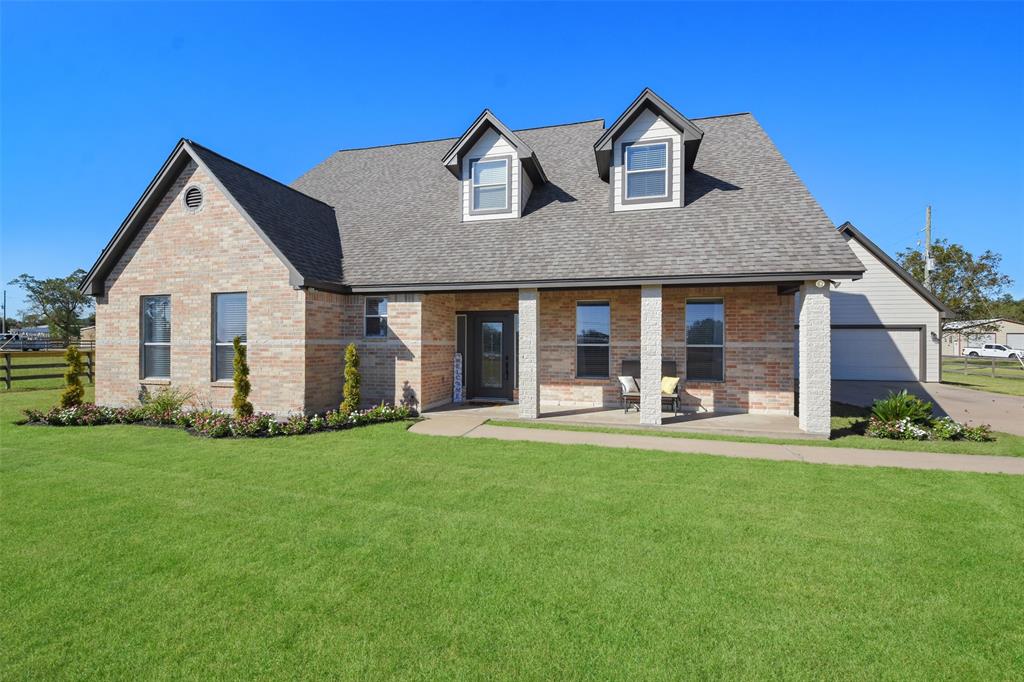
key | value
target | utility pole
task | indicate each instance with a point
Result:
(928, 262)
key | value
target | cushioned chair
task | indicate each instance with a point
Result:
(630, 388)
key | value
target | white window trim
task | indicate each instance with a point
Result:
(473, 210)
(216, 343)
(596, 345)
(384, 317)
(687, 345)
(143, 373)
(626, 146)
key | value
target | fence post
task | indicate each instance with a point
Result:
(993, 368)
(7, 370)
(88, 364)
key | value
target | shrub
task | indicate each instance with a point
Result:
(240, 400)
(902, 406)
(979, 434)
(945, 428)
(164, 406)
(254, 426)
(295, 425)
(900, 429)
(73, 391)
(211, 423)
(350, 391)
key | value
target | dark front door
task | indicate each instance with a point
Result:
(491, 355)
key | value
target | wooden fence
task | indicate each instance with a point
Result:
(14, 363)
(1008, 368)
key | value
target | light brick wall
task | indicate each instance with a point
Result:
(191, 256)
(815, 359)
(650, 354)
(325, 349)
(528, 354)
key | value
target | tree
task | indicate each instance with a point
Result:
(1008, 307)
(57, 301)
(240, 400)
(73, 391)
(968, 284)
(351, 389)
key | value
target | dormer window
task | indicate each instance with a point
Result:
(647, 170)
(490, 185)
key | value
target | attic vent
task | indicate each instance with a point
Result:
(193, 198)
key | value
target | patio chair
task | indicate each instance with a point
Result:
(629, 387)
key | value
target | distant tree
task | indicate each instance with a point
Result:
(57, 302)
(968, 284)
(1008, 307)
(350, 391)
(73, 391)
(240, 400)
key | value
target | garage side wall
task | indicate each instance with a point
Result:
(881, 297)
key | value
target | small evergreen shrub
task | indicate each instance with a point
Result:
(350, 391)
(902, 406)
(240, 400)
(73, 391)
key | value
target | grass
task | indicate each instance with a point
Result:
(134, 552)
(1008, 380)
(847, 423)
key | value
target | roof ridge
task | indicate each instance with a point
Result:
(738, 113)
(446, 139)
(256, 172)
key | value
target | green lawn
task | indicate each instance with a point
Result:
(846, 420)
(1009, 379)
(135, 552)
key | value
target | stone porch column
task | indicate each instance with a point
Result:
(529, 354)
(815, 358)
(650, 354)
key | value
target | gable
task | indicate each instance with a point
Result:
(648, 127)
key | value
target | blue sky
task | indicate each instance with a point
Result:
(880, 108)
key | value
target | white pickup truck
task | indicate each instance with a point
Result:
(991, 350)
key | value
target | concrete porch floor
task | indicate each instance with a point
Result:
(460, 419)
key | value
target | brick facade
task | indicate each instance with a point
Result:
(297, 337)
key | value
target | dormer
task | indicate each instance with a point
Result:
(645, 154)
(496, 170)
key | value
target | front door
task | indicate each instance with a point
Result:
(491, 355)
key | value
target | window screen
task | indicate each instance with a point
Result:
(705, 340)
(593, 336)
(230, 319)
(156, 337)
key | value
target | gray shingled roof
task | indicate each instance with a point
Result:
(746, 214)
(303, 229)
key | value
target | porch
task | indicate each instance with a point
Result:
(459, 419)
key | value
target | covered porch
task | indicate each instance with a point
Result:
(557, 355)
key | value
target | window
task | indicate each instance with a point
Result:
(490, 185)
(376, 320)
(646, 170)
(593, 334)
(230, 319)
(156, 337)
(705, 340)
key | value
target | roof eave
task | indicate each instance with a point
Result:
(848, 227)
(452, 159)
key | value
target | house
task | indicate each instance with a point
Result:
(961, 334)
(886, 325)
(544, 258)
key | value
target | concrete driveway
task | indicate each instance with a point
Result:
(1001, 412)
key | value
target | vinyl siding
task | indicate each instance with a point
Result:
(648, 126)
(526, 186)
(491, 144)
(883, 298)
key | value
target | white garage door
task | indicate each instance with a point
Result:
(1015, 340)
(876, 354)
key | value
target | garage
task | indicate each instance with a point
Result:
(1015, 340)
(880, 354)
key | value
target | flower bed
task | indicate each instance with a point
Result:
(214, 423)
(902, 416)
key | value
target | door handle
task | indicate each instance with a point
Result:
(506, 368)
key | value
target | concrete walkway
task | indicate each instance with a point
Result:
(472, 426)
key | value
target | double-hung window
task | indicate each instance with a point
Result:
(490, 184)
(705, 340)
(230, 319)
(376, 316)
(646, 170)
(593, 337)
(156, 337)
